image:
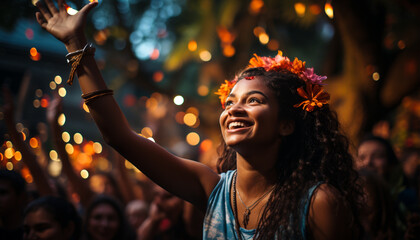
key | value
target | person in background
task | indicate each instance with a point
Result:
(12, 202)
(105, 220)
(51, 218)
(136, 212)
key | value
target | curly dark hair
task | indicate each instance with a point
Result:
(315, 152)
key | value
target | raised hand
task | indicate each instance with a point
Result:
(69, 29)
(54, 108)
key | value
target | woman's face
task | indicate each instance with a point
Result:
(372, 155)
(103, 222)
(251, 117)
(40, 224)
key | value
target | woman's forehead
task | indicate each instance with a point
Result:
(247, 85)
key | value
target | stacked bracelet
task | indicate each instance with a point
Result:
(75, 57)
(88, 97)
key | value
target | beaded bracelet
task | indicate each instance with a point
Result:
(74, 58)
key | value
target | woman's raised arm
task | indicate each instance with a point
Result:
(187, 179)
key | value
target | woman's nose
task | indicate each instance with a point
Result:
(236, 109)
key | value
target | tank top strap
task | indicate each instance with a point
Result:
(306, 202)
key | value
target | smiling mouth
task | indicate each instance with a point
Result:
(236, 125)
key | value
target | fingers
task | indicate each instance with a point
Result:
(61, 5)
(51, 7)
(45, 13)
(86, 9)
(41, 20)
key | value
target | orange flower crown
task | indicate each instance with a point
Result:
(313, 93)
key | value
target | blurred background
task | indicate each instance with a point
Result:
(165, 59)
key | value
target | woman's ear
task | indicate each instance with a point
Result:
(286, 127)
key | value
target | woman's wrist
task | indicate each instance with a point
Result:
(75, 44)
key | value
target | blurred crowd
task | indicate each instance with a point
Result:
(117, 205)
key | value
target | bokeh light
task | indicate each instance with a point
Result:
(193, 138)
(97, 147)
(69, 149)
(61, 119)
(84, 173)
(62, 92)
(65, 136)
(78, 138)
(58, 79)
(192, 45)
(178, 100)
(205, 55)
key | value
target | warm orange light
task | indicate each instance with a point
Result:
(193, 138)
(203, 90)
(1, 157)
(18, 156)
(255, 6)
(44, 103)
(190, 119)
(192, 45)
(206, 145)
(84, 159)
(100, 37)
(147, 132)
(179, 117)
(151, 104)
(258, 31)
(329, 10)
(314, 9)
(88, 148)
(193, 110)
(229, 51)
(158, 76)
(300, 9)
(33, 142)
(264, 38)
(33, 52)
(205, 55)
(23, 136)
(225, 36)
(85, 107)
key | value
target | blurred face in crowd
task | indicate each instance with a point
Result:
(137, 212)
(41, 225)
(10, 201)
(103, 222)
(372, 155)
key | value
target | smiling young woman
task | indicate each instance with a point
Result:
(286, 172)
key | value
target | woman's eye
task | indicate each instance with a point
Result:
(254, 100)
(228, 103)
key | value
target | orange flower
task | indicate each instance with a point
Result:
(224, 91)
(297, 66)
(315, 95)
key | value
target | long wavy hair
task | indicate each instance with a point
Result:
(315, 152)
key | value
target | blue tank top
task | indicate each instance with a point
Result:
(219, 222)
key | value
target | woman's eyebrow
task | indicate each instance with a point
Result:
(249, 93)
(256, 92)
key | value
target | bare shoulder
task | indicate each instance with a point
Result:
(329, 215)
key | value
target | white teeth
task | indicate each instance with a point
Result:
(236, 124)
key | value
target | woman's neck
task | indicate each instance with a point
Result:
(255, 176)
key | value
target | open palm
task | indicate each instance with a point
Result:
(59, 23)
